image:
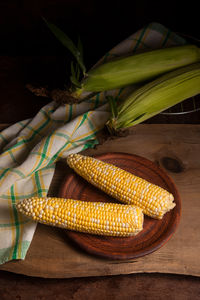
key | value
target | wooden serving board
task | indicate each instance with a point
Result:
(176, 148)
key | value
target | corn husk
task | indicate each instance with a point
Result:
(137, 68)
(157, 96)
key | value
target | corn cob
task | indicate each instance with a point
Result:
(100, 218)
(137, 68)
(156, 96)
(122, 185)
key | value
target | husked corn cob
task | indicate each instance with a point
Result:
(122, 185)
(100, 218)
(137, 68)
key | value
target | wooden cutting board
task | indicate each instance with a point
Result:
(176, 148)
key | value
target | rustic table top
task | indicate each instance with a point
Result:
(17, 104)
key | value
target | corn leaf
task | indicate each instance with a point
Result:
(75, 81)
(74, 77)
(80, 47)
(113, 106)
(67, 42)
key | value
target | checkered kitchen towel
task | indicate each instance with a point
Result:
(29, 149)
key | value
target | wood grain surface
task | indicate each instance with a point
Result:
(122, 287)
(175, 148)
(155, 233)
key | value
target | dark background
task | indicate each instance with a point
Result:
(101, 24)
(29, 53)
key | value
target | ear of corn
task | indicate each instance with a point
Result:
(158, 95)
(100, 218)
(122, 185)
(137, 68)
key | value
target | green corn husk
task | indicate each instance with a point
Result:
(157, 96)
(137, 68)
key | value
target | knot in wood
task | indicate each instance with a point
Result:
(172, 164)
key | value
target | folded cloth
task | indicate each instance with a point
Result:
(30, 149)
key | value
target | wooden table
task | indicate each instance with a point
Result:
(145, 286)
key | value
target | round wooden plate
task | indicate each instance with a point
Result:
(155, 233)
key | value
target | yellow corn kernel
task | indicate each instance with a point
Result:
(122, 185)
(100, 218)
